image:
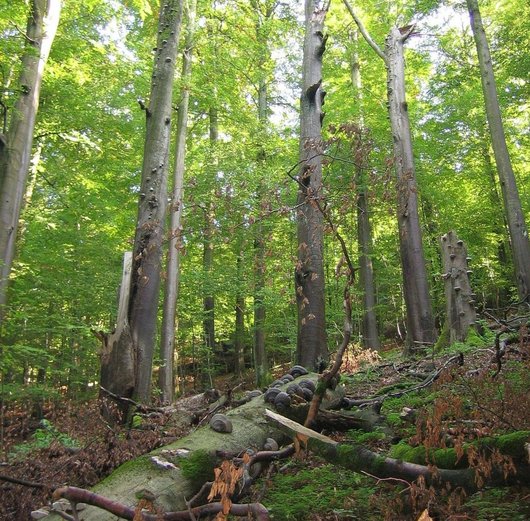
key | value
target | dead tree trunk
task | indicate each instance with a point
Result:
(459, 298)
(116, 349)
(309, 273)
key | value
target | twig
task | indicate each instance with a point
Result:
(25, 483)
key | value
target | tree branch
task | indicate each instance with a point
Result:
(364, 32)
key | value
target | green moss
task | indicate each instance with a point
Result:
(447, 459)
(327, 490)
(198, 467)
(394, 419)
(500, 504)
(348, 456)
(132, 467)
(362, 437)
(378, 464)
(405, 452)
(443, 339)
(395, 387)
(513, 444)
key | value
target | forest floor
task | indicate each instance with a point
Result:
(482, 396)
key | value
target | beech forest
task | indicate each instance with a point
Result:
(265, 259)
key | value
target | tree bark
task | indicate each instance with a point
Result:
(140, 336)
(512, 203)
(16, 145)
(309, 273)
(260, 353)
(239, 335)
(117, 358)
(370, 337)
(207, 257)
(166, 376)
(459, 298)
(421, 331)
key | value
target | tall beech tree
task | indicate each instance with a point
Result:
(263, 16)
(361, 149)
(140, 335)
(309, 274)
(420, 321)
(515, 218)
(16, 144)
(167, 337)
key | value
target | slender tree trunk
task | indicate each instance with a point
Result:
(420, 322)
(309, 273)
(512, 204)
(16, 145)
(147, 255)
(260, 353)
(166, 376)
(239, 335)
(208, 298)
(370, 337)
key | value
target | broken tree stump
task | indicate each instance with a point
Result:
(459, 297)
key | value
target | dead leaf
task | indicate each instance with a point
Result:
(425, 516)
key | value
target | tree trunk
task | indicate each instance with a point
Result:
(421, 331)
(166, 376)
(309, 273)
(459, 298)
(117, 358)
(512, 203)
(139, 337)
(16, 145)
(207, 258)
(239, 335)
(370, 337)
(260, 353)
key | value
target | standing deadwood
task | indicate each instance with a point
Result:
(420, 321)
(117, 359)
(15, 146)
(147, 254)
(309, 273)
(421, 330)
(512, 203)
(167, 337)
(459, 299)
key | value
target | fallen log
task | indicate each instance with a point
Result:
(361, 459)
(160, 471)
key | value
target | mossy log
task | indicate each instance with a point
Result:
(361, 459)
(160, 472)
